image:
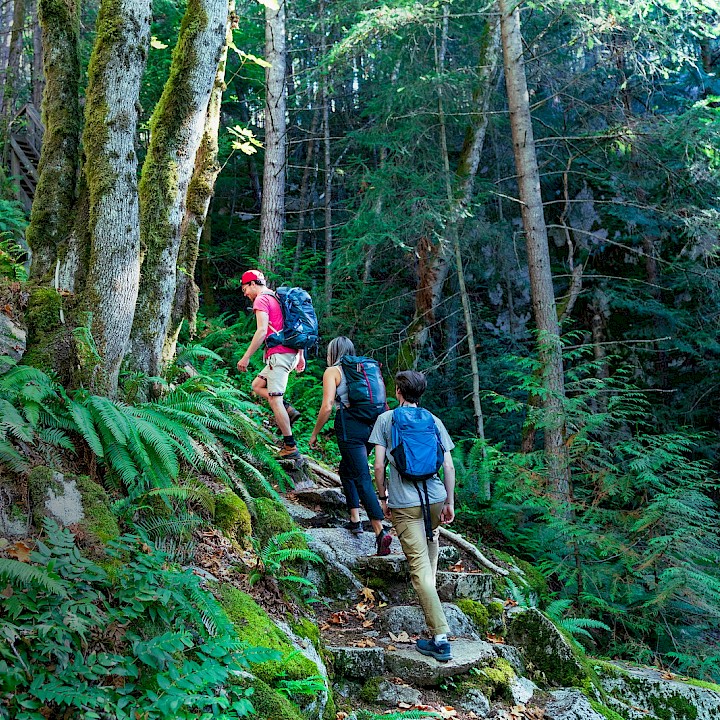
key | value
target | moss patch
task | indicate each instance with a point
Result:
(272, 518)
(476, 612)
(371, 689)
(673, 707)
(271, 704)
(232, 516)
(96, 505)
(254, 626)
(493, 680)
(605, 711)
(304, 627)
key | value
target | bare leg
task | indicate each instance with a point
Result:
(354, 515)
(377, 526)
(281, 416)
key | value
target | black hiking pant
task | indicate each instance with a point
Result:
(352, 438)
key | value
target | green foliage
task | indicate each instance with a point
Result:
(281, 550)
(11, 256)
(640, 549)
(80, 640)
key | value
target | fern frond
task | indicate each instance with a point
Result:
(29, 575)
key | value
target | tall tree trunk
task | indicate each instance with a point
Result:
(111, 117)
(186, 303)
(6, 20)
(541, 285)
(38, 79)
(437, 263)
(12, 70)
(272, 214)
(176, 129)
(328, 168)
(53, 209)
(249, 159)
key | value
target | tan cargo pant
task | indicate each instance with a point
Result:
(423, 558)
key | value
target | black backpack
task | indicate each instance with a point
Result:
(300, 323)
(365, 388)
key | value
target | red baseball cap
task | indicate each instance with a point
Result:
(252, 275)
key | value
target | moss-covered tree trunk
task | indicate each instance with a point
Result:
(272, 213)
(186, 301)
(12, 69)
(176, 129)
(52, 214)
(111, 118)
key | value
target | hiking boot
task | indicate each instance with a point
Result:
(288, 452)
(293, 414)
(440, 651)
(382, 542)
(356, 528)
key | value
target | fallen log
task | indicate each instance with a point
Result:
(469, 548)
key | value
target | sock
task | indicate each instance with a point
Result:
(440, 638)
(289, 440)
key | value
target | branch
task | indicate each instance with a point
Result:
(469, 548)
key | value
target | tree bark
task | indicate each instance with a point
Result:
(53, 209)
(176, 130)
(438, 259)
(272, 213)
(7, 8)
(12, 70)
(200, 191)
(38, 78)
(541, 285)
(111, 118)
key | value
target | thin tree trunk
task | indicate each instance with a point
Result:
(6, 20)
(305, 189)
(452, 226)
(249, 159)
(328, 168)
(541, 285)
(111, 117)
(430, 282)
(38, 78)
(176, 130)
(12, 71)
(53, 209)
(186, 303)
(272, 214)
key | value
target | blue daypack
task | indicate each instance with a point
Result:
(417, 453)
(300, 323)
(416, 448)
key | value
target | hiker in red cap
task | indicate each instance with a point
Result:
(272, 380)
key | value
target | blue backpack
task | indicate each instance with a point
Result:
(417, 453)
(300, 323)
(365, 388)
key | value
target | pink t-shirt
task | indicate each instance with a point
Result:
(269, 304)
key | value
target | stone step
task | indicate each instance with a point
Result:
(322, 497)
(348, 549)
(417, 669)
(357, 663)
(410, 619)
(476, 586)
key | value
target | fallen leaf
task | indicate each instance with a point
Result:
(457, 567)
(364, 643)
(7, 592)
(447, 711)
(339, 618)
(325, 626)
(510, 603)
(495, 639)
(402, 637)
(382, 604)
(390, 648)
(20, 551)
(368, 594)
(404, 705)
(340, 715)
(368, 623)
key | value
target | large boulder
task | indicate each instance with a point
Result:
(357, 662)
(657, 694)
(421, 670)
(410, 618)
(13, 341)
(475, 586)
(546, 648)
(571, 704)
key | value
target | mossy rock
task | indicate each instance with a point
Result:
(371, 689)
(99, 520)
(232, 516)
(605, 711)
(271, 704)
(272, 518)
(477, 613)
(492, 680)
(254, 626)
(304, 627)
(547, 649)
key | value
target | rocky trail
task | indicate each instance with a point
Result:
(510, 662)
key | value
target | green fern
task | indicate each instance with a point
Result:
(27, 575)
(272, 557)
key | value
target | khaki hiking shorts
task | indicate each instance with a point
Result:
(277, 370)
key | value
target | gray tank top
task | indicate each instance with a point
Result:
(341, 393)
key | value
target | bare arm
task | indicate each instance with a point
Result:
(448, 512)
(379, 469)
(262, 319)
(331, 379)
